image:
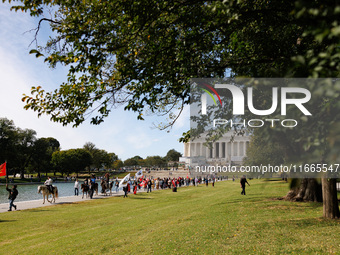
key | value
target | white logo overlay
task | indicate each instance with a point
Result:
(224, 113)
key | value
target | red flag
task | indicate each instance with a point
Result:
(3, 169)
(142, 183)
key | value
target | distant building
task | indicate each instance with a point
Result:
(225, 151)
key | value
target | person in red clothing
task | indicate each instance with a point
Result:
(174, 185)
(135, 187)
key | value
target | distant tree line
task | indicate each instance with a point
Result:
(27, 154)
(170, 160)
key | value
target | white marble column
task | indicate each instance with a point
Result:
(215, 150)
(232, 149)
(235, 148)
(192, 149)
(198, 149)
(206, 152)
(240, 148)
(202, 150)
(186, 150)
(220, 150)
(227, 150)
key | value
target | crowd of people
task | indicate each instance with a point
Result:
(133, 184)
(149, 184)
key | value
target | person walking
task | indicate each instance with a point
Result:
(243, 182)
(149, 185)
(92, 185)
(174, 184)
(128, 187)
(13, 193)
(76, 188)
(117, 185)
(157, 183)
(125, 189)
(135, 184)
(107, 179)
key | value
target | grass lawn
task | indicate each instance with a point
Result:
(195, 220)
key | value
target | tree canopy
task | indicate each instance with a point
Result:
(100, 158)
(141, 54)
(73, 160)
(42, 154)
(22, 150)
(173, 155)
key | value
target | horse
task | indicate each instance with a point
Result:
(85, 189)
(96, 188)
(110, 187)
(106, 186)
(46, 192)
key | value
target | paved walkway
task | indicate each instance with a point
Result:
(23, 205)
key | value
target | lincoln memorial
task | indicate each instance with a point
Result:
(228, 150)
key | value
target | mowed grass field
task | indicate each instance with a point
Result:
(195, 220)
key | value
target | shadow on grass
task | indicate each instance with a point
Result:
(241, 199)
(274, 180)
(308, 203)
(304, 223)
(34, 210)
(315, 204)
(310, 222)
(138, 197)
(1, 221)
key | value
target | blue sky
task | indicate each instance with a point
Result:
(121, 132)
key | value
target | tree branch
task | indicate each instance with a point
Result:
(37, 29)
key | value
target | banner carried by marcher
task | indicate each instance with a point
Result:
(3, 169)
(139, 174)
(124, 181)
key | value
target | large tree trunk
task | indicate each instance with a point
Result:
(330, 199)
(307, 189)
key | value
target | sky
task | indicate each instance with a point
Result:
(121, 132)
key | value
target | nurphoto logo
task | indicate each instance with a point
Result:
(242, 98)
(239, 102)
